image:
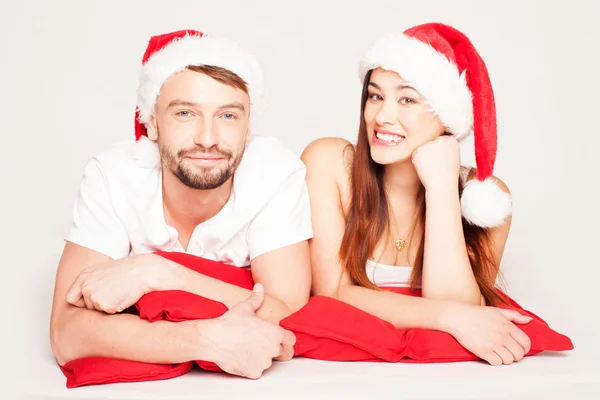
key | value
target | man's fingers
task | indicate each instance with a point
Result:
(80, 303)
(88, 303)
(289, 339)
(286, 354)
(74, 293)
(256, 298)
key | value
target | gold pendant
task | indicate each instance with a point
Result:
(400, 244)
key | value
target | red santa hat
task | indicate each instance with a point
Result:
(172, 52)
(442, 64)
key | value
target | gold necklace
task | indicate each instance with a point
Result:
(400, 242)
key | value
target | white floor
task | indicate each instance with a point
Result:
(548, 376)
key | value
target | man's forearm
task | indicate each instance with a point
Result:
(272, 309)
(80, 333)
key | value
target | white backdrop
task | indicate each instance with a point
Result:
(67, 90)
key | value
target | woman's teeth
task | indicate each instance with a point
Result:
(389, 138)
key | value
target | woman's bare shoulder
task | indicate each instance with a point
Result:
(328, 163)
(331, 156)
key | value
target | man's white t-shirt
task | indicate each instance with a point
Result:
(119, 209)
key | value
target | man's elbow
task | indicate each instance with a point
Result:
(57, 344)
(60, 341)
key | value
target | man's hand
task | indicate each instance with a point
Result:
(242, 344)
(115, 285)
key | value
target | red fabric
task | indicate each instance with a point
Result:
(457, 47)
(182, 306)
(178, 306)
(329, 329)
(99, 370)
(173, 306)
(325, 329)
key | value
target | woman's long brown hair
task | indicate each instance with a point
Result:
(368, 219)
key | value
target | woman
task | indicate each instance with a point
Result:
(397, 209)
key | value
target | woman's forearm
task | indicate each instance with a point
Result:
(447, 272)
(402, 311)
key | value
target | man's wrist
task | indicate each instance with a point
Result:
(206, 337)
(192, 340)
(162, 274)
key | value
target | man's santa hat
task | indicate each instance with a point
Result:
(169, 53)
(442, 64)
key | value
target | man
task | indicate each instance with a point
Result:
(193, 181)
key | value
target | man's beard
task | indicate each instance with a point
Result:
(202, 178)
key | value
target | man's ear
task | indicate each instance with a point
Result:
(249, 129)
(152, 129)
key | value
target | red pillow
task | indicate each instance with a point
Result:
(168, 305)
(99, 370)
(154, 307)
(241, 277)
(181, 306)
(329, 329)
(325, 329)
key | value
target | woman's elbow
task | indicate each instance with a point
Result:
(291, 306)
(332, 291)
(465, 298)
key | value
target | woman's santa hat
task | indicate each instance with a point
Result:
(169, 53)
(442, 64)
